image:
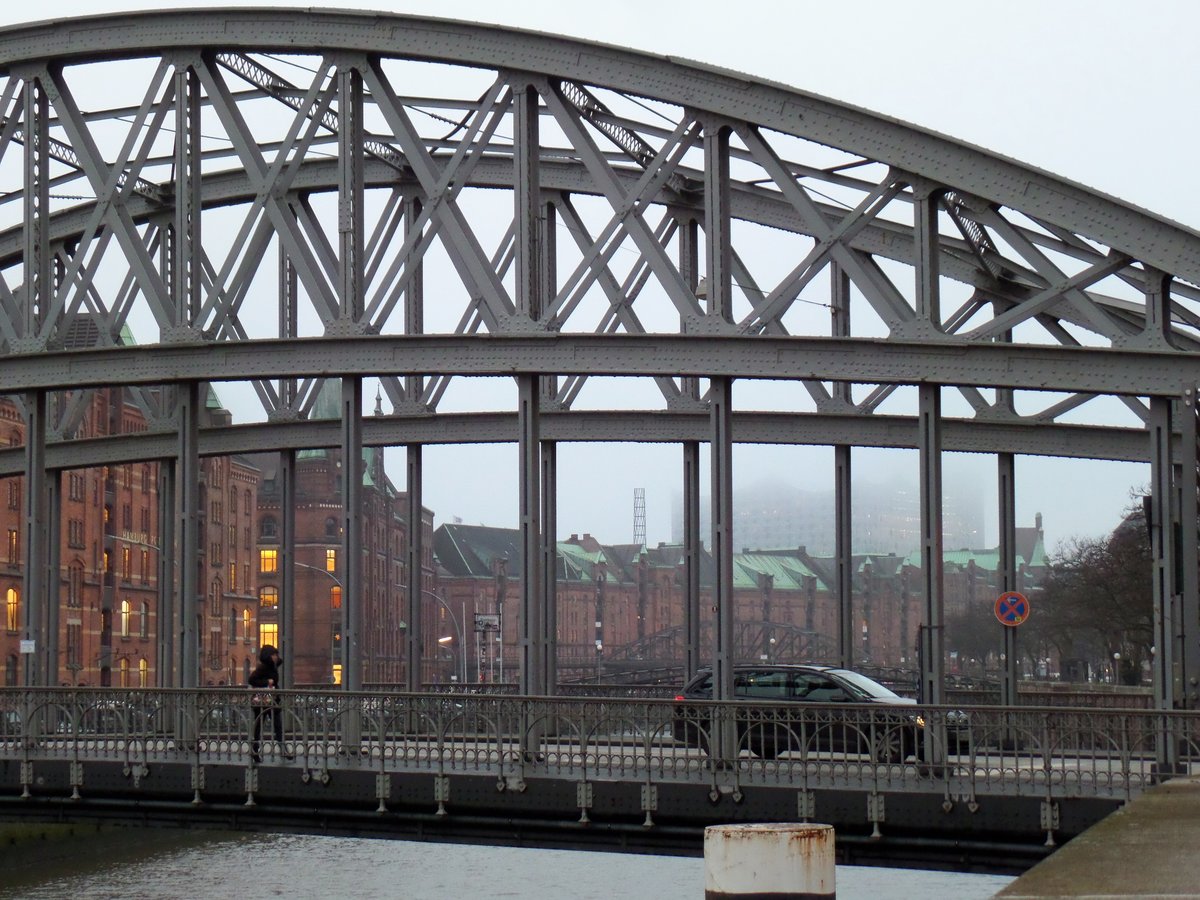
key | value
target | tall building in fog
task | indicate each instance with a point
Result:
(887, 517)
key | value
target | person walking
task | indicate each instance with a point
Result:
(264, 681)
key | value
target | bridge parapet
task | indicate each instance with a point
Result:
(988, 777)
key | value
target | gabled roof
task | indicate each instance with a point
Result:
(469, 550)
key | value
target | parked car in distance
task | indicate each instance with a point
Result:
(857, 715)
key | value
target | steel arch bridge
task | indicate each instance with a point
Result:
(273, 198)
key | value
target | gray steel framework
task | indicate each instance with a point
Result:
(447, 201)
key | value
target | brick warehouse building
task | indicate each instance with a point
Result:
(615, 603)
(613, 600)
(108, 580)
(315, 649)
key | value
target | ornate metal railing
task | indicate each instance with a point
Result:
(969, 752)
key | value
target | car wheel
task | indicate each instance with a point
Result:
(887, 745)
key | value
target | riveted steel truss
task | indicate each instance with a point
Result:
(413, 203)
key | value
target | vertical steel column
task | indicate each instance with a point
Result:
(350, 196)
(352, 586)
(166, 675)
(721, 450)
(37, 254)
(689, 389)
(928, 269)
(1006, 482)
(549, 566)
(928, 309)
(548, 385)
(719, 269)
(33, 554)
(53, 536)
(536, 461)
(187, 469)
(185, 264)
(415, 481)
(1162, 551)
(842, 480)
(288, 328)
(1163, 557)
(350, 310)
(532, 604)
(929, 442)
(1189, 562)
(414, 386)
(527, 201)
(287, 562)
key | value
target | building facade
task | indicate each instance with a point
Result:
(108, 588)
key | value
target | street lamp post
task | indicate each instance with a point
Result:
(458, 627)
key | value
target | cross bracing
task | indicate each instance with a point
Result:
(314, 195)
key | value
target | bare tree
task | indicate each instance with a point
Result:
(1097, 599)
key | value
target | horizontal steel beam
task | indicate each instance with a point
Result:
(809, 429)
(1164, 373)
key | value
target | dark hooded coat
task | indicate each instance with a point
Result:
(266, 673)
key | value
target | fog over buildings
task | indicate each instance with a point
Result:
(774, 515)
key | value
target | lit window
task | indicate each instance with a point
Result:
(124, 622)
(335, 597)
(13, 608)
(126, 564)
(143, 673)
(268, 633)
(246, 623)
(331, 560)
(233, 578)
(268, 597)
(268, 560)
(14, 545)
(337, 673)
(124, 672)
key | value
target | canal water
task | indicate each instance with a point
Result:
(133, 865)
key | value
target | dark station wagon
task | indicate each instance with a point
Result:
(851, 713)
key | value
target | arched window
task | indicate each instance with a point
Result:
(249, 506)
(146, 479)
(233, 501)
(268, 597)
(247, 624)
(75, 584)
(143, 673)
(144, 624)
(233, 622)
(246, 669)
(124, 625)
(10, 670)
(13, 609)
(268, 527)
(335, 597)
(331, 527)
(124, 672)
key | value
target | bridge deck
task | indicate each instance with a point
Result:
(1146, 849)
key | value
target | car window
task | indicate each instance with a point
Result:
(818, 689)
(868, 686)
(702, 687)
(762, 685)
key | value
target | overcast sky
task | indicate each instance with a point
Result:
(1101, 92)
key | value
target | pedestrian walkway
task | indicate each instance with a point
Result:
(1146, 849)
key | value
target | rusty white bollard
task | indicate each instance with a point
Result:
(777, 860)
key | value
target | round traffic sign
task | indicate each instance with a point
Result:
(1012, 608)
